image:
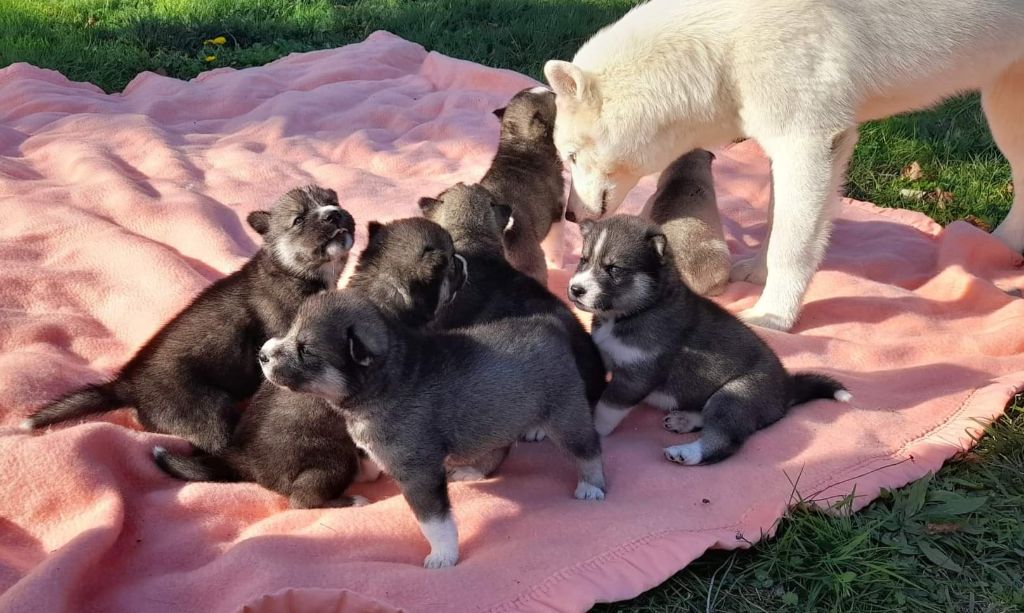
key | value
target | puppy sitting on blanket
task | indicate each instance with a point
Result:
(188, 379)
(526, 176)
(685, 208)
(294, 443)
(412, 399)
(676, 350)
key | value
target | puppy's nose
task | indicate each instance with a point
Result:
(264, 358)
(570, 216)
(577, 290)
(332, 216)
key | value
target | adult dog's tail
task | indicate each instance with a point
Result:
(86, 401)
(805, 387)
(199, 467)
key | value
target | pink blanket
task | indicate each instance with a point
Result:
(117, 209)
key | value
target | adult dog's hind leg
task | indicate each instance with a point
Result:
(1002, 102)
(807, 170)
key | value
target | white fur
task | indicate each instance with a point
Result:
(588, 491)
(614, 351)
(26, 425)
(444, 542)
(796, 75)
(465, 473)
(360, 501)
(159, 451)
(843, 396)
(683, 421)
(540, 89)
(687, 453)
(608, 417)
(535, 435)
(661, 400)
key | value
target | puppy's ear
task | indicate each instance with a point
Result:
(586, 227)
(372, 229)
(259, 221)
(499, 113)
(428, 204)
(357, 349)
(567, 80)
(658, 242)
(502, 216)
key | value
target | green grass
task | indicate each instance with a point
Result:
(953, 542)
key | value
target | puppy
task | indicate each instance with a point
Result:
(412, 399)
(685, 207)
(526, 175)
(495, 290)
(409, 269)
(676, 350)
(188, 378)
(290, 443)
(294, 443)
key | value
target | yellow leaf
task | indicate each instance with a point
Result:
(912, 171)
(218, 40)
(210, 58)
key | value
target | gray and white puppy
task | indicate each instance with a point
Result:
(188, 379)
(412, 399)
(526, 175)
(676, 350)
(297, 445)
(686, 209)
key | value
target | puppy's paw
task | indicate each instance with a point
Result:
(772, 321)
(465, 473)
(688, 454)
(441, 559)
(360, 501)
(535, 435)
(682, 422)
(752, 269)
(588, 491)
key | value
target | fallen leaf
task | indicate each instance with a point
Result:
(217, 40)
(912, 194)
(210, 58)
(942, 528)
(1009, 188)
(91, 21)
(978, 223)
(912, 172)
(942, 198)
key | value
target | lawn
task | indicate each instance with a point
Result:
(952, 542)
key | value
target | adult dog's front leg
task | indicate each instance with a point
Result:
(807, 171)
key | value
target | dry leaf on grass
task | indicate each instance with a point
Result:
(1009, 188)
(942, 528)
(942, 197)
(977, 222)
(912, 194)
(912, 172)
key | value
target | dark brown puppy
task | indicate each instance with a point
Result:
(189, 378)
(526, 176)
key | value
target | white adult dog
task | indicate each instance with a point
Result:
(797, 76)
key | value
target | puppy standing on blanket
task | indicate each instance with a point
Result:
(188, 379)
(686, 209)
(677, 350)
(526, 175)
(297, 445)
(412, 399)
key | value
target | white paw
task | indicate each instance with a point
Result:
(588, 491)
(772, 321)
(751, 269)
(535, 435)
(682, 422)
(441, 559)
(465, 473)
(26, 426)
(360, 501)
(688, 454)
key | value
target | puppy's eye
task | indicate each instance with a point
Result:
(572, 157)
(611, 269)
(427, 250)
(584, 259)
(298, 220)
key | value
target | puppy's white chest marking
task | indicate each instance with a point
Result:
(661, 400)
(613, 350)
(361, 433)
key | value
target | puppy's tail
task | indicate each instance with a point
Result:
(86, 401)
(805, 387)
(199, 467)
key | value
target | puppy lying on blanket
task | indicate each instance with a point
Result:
(684, 206)
(189, 378)
(495, 290)
(526, 175)
(294, 443)
(676, 350)
(412, 399)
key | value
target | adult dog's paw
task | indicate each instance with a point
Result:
(771, 321)
(751, 269)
